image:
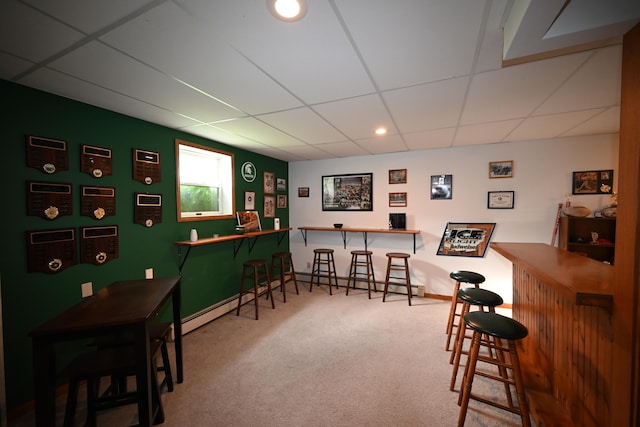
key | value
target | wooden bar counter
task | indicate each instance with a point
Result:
(565, 301)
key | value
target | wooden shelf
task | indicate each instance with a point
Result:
(364, 231)
(237, 239)
(575, 236)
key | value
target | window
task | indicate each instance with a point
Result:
(204, 182)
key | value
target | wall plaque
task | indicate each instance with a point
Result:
(97, 202)
(96, 161)
(146, 166)
(48, 155)
(49, 200)
(148, 209)
(98, 244)
(51, 251)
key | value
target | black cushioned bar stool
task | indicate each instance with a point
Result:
(460, 276)
(500, 328)
(362, 260)
(255, 270)
(282, 268)
(485, 300)
(401, 266)
(324, 266)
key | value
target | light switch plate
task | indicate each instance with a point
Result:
(87, 289)
(148, 273)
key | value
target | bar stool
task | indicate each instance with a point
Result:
(251, 271)
(110, 362)
(368, 275)
(460, 277)
(281, 267)
(482, 298)
(402, 266)
(500, 328)
(323, 266)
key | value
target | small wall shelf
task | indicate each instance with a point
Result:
(575, 236)
(364, 231)
(237, 239)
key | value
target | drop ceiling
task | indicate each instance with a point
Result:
(435, 73)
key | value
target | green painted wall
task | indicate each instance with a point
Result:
(211, 273)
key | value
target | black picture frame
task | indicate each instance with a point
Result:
(347, 192)
(441, 187)
(466, 239)
(303, 191)
(500, 199)
(593, 182)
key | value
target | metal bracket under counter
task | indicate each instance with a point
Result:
(237, 239)
(364, 231)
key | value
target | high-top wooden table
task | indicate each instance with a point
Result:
(565, 300)
(121, 306)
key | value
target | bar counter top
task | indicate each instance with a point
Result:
(580, 279)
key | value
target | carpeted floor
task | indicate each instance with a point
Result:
(319, 360)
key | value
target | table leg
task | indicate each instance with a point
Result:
(143, 374)
(177, 328)
(44, 381)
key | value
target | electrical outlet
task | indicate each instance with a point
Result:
(148, 273)
(87, 289)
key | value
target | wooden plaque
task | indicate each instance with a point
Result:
(146, 166)
(97, 202)
(96, 161)
(98, 244)
(51, 251)
(46, 154)
(148, 209)
(49, 200)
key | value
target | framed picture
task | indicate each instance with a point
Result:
(501, 169)
(282, 201)
(281, 184)
(441, 187)
(469, 240)
(397, 200)
(249, 200)
(269, 207)
(500, 199)
(250, 220)
(303, 191)
(593, 182)
(269, 182)
(397, 176)
(350, 192)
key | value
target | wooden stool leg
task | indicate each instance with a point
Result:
(292, 274)
(269, 290)
(452, 313)
(352, 272)
(373, 274)
(255, 289)
(333, 269)
(242, 284)
(520, 392)
(407, 279)
(467, 380)
(386, 280)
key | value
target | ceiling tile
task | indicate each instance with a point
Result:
(487, 133)
(107, 67)
(608, 121)
(256, 130)
(343, 149)
(357, 117)
(550, 126)
(438, 138)
(304, 124)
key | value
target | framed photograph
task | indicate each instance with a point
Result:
(501, 169)
(269, 207)
(441, 187)
(397, 200)
(249, 200)
(250, 220)
(303, 191)
(500, 199)
(397, 176)
(281, 184)
(350, 192)
(593, 182)
(282, 201)
(469, 240)
(269, 182)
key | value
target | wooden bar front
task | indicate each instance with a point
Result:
(565, 301)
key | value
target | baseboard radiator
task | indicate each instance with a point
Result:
(211, 313)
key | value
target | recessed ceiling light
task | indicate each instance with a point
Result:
(381, 131)
(287, 10)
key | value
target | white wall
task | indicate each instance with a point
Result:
(542, 176)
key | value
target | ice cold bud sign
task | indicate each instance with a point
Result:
(466, 240)
(471, 239)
